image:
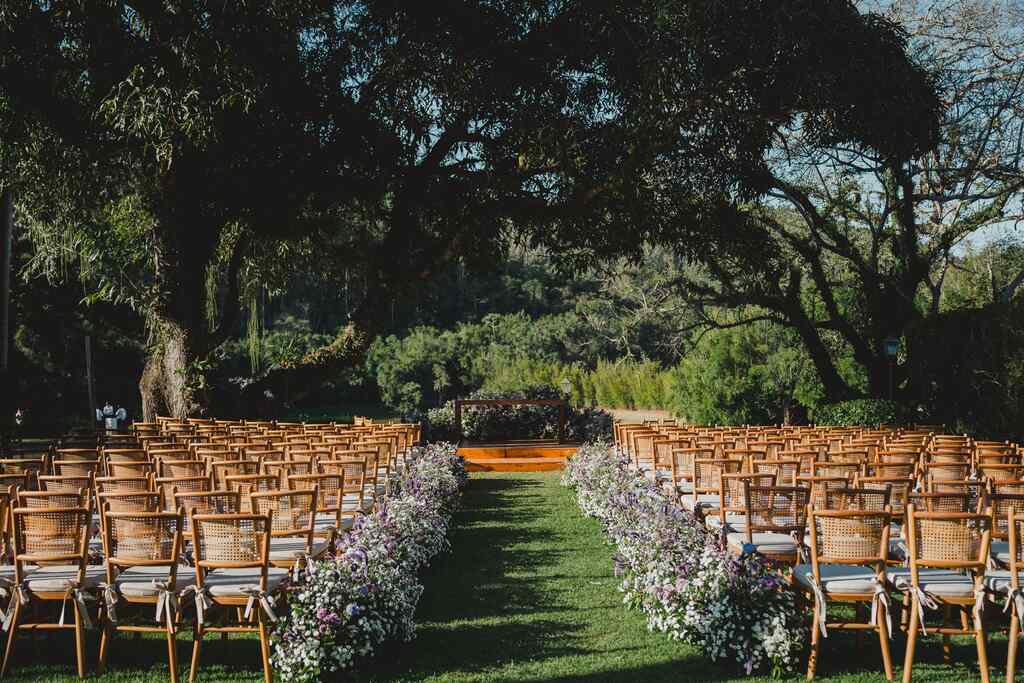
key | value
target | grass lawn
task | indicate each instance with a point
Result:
(526, 595)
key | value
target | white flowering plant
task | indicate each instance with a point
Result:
(345, 607)
(678, 574)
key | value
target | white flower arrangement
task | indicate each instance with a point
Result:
(345, 607)
(679, 575)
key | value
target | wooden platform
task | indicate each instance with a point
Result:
(521, 456)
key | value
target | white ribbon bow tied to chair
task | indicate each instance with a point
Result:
(167, 600)
(923, 600)
(820, 608)
(202, 599)
(979, 606)
(110, 598)
(881, 597)
(75, 592)
(801, 549)
(265, 600)
(1015, 601)
(22, 595)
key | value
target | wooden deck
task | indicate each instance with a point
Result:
(518, 456)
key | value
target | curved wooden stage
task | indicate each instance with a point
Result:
(516, 456)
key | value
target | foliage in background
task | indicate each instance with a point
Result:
(754, 374)
(869, 412)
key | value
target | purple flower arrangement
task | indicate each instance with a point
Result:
(679, 575)
(346, 607)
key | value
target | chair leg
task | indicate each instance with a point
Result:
(11, 636)
(79, 640)
(268, 676)
(1011, 646)
(197, 640)
(172, 649)
(883, 640)
(979, 638)
(107, 634)
(947, 619)
(908, 658)
(812, 658)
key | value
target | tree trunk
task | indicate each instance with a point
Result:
(171, 382)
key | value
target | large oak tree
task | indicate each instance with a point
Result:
(177, 142)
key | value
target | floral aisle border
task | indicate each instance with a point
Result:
(349, 605)
(679, 575)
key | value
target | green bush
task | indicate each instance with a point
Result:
(868, 412)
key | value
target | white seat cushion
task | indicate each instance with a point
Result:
(290, 547)
(137, 582)
(937, 582)
(765, 542)
(55, 579)
(998, 580)
(7, 573)
(224, 583)
(838, 578)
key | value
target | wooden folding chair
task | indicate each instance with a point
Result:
(232, 557)
(948, 556)
(293, 521)
(142, 568)
(849, 550)
(56, 540)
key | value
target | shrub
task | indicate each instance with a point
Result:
(869, 412)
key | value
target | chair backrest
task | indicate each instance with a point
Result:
(860, 499)
(50, 482)
(128, 501)
(142, 539)
(109, 484)
(859, 537)
(76, 468)
(779, 509)
(206, 502)
(1001, 505)
(47, 535)
(230, 540)
(899, 490)
(943, 502)
(130, 469)
(330, 488)
(52, 499)
(948, 540)
(1014, 523)
(707, 474)
(292, 512)
(785, 471)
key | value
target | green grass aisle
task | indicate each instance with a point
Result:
(528, 594)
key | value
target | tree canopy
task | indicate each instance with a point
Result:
(172, 154)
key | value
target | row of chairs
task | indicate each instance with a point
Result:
(201, 524)
(858, 537)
